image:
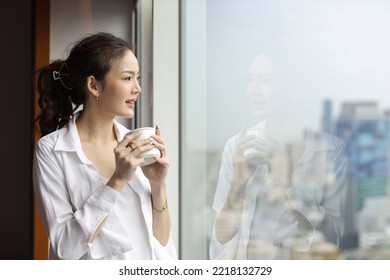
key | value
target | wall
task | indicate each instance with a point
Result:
(16, 129)
(72, 19)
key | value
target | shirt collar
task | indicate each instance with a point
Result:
(69, 140)
(68, 137)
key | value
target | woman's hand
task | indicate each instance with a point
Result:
(127, 159)
(157, 171)
(243, 169)
(251, 151)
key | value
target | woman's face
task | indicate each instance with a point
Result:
(261, 85)
(121, 87)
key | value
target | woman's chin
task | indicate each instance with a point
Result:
(128, 114)
(261, 114)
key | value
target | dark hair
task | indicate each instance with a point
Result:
(61, 84)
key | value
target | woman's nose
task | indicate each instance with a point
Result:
(255, 88)
(137, 88)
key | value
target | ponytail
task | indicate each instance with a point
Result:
(54, 88)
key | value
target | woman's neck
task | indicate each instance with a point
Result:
(95, 128)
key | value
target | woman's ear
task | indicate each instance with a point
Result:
(93, 86)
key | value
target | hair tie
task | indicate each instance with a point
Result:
(64, 76)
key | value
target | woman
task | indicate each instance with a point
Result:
(277, 197)
(95, 199)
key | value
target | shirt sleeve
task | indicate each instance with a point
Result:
(324, 213)
(167, 252)
(334, 197)
(224, 177)
(69, 229)
(227, 251)
(236, 247)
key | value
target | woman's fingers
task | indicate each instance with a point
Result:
(159, 142)
(130, 137)
(158, 131)
(130, 149)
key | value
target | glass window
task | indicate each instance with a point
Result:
(284, 129)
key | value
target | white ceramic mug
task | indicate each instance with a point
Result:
(256, 155)
(146, 133)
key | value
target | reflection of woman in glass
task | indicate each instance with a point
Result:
(275, 197)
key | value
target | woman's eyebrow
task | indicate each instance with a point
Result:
(130, 72)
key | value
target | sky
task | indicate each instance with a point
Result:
(327, 49)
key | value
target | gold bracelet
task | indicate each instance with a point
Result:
(165, 206)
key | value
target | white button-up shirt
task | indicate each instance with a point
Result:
(73, 200)
(322, 163)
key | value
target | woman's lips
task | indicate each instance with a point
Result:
(130, 103)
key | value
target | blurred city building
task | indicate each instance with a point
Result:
(327, 121)
(365, 130)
